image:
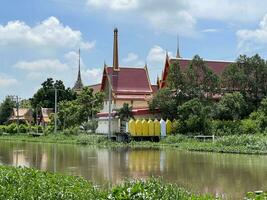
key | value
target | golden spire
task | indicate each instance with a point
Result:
(115, 51)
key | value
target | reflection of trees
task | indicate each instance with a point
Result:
(204, 172)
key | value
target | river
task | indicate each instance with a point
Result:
(226, 175)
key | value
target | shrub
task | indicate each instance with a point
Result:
(71, 131)
(90, 126)
(12, 128)
(37, 128)
(2, 129)
(249, 126)
(23, 128)
(194, 117)
(231, 107)
(222, 127)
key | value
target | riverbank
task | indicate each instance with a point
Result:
(26, 183)
(240, 144)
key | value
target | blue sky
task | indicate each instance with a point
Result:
(41, 38)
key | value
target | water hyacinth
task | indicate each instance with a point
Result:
(26, 184)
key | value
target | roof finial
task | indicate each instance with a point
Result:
(178, 48)
(146, 64)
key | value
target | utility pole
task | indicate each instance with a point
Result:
(17, 105)
(109, 109)
(55, 115)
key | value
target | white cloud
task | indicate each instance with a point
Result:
(252, 41)
(49, 34)
(181, 16)
(210, 30)
(228, 10)
(6, 81)
(115, 4)
(42, 65)
(157, 55)
(165, 16)
(93, 75)
(132, 59)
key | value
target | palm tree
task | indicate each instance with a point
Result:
(124, 114)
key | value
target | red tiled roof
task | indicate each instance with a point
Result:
(155, 88)
(128, 80)
(96, 87)
(216, 66)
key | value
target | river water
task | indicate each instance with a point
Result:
(226, 175)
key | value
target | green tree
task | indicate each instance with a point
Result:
(201, 81)
(165, 101)
(125, 112)
(194, 117)
(232, 106)
(249, 76)
(176, 82)
(86, 106)
(6, 109)
(45, 96)
(25, 103)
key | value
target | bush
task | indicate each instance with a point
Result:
(194, 117)
(72, 131)
(249, 126)
(37, 128)
(2, 129)
(222, 127)
(90, 126)
(12, 128)
(231, 107)
(23, 128)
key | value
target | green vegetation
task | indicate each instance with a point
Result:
(6, 108)
(246, 144)
(194, 98)
(24, 183)
(256, 196)
(45, 96)
(75, 112)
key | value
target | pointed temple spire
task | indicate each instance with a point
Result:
(178, 48)
(78, 84)
(115, 51)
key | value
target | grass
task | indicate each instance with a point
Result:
(245, 144)
(26, 183)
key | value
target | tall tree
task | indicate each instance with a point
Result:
(165, 101)
(45, 96)
(176, 82)
(249, 76)
(201, 81)
(87, 105)
(6, 109)
(125, 112)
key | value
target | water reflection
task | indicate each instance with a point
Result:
(225, 174)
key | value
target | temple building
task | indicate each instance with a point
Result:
(78, 84)
(127, 85)
(217, 66)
